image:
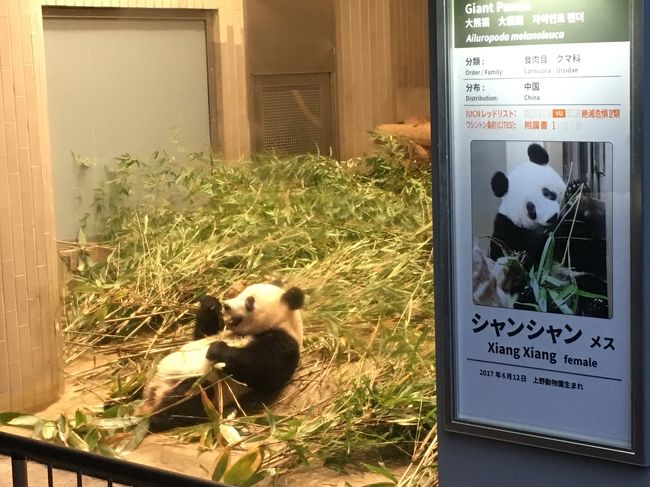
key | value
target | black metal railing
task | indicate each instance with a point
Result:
(22, 450)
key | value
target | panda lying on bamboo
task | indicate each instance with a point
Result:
(257, 352)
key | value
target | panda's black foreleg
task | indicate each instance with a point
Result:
(209, 320)
(265, 365)
(181, 407)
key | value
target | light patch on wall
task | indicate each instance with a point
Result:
(116, 86)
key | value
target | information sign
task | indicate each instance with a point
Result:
(540, 180)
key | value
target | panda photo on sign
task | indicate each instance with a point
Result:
(530, 205)
(249, 345)
(546, 249)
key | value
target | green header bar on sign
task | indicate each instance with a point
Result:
(513, 23)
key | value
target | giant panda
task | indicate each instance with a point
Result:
(534, 205)
(256, 354)
(530, 205)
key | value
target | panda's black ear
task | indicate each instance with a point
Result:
(294, 298)
(499, 184)
(537, 154)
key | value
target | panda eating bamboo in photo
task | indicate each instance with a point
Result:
(256, 354)
(547, 224)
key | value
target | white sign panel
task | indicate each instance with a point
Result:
(540, 154)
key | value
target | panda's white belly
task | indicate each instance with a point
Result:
(187, 362)
(190, 362)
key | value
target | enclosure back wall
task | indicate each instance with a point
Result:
(382, 67)
(229, 74)
(353, 63)
(381, 71)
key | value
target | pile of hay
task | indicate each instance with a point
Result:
(356, 236)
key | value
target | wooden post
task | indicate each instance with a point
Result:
(30, 352)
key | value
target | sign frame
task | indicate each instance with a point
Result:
(444, 278)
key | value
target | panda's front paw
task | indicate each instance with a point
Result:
(209, 304)
(209, 320)
(217, 351)
(575, 186)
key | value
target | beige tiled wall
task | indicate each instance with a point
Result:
(382, 62)
(364, 76)
(30, 367)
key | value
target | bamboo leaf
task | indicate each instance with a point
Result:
(92, 438)
(383, 471)
(8, 416)
(560, 302)
(49, 431)
(75, 441)
(137, 435)
(79, 419)
(586, 294)
(553, 281)
(255, 478)
(243, 469)
(221, 465)
(116, 423)
(25, 421)
(210, 410)
(230, 434)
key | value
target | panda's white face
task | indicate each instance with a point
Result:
(262, 307)
(534, 195)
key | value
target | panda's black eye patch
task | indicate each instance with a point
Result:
(547, 193)
(250, 303)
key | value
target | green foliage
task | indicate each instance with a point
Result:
(356, 236)
(92, 431)
(390, 166)
(551, 288)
